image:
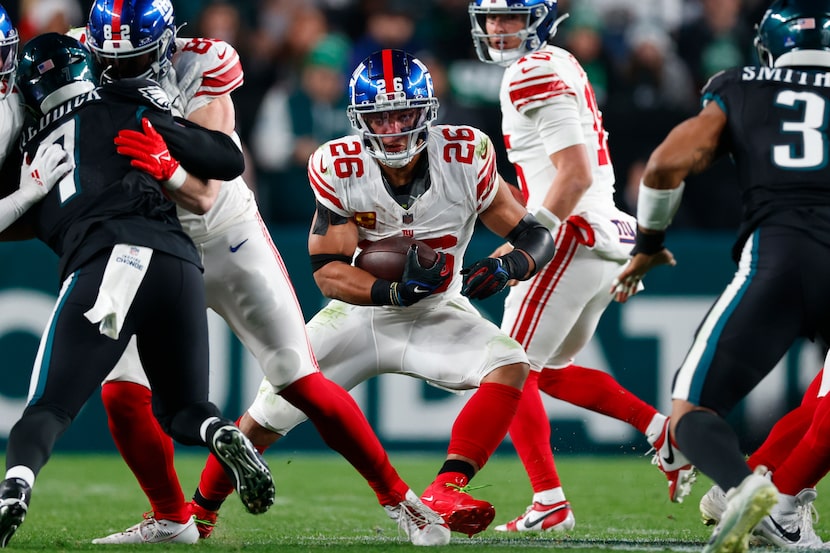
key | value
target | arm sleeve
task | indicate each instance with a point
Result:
(203, 153)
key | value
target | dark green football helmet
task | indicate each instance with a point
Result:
(795, 32)
(53, 66)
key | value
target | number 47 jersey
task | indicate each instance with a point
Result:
(777, 134)
(463, 182)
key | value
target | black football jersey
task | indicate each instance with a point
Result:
(104, 201)
(777, 134)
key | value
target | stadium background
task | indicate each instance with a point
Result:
(641, 343)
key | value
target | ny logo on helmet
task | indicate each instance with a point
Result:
(165, 8)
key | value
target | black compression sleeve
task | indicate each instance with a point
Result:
(203, 153)
(535, 240)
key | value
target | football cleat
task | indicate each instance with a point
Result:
(151, 530)
(244, 466)
(542, 518)
(790, 522)
(678, 470)
(746, 505)
(204, 518)
(15, 494)
(421, 524)
(712, 505)
(461, 511)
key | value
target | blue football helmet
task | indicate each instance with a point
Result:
(795, 32)
(53, 68)
(392, 84)
(9, 42)
(539, 27)
(132, 38)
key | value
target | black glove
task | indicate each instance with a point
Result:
(484, 278)
(419, 282)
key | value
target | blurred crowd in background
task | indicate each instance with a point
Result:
(647, 60)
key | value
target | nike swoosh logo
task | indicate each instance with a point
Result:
(669, 459)
(419, 290)
(793, 537)
(222, 55)
(531, 523)
(234, 248)
(430, 498)
(526, 70)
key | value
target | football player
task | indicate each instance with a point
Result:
(779, 291)
(126, 266)
(401, 176)
(554, 136)
(246, 283)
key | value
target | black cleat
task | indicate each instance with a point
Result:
(244, 466)
(15, 494)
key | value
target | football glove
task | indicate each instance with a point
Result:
(149, 153)
(419, 282)
(484, 278)
(50, 164)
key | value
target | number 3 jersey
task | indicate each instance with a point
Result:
(776, 133)
(463, 183)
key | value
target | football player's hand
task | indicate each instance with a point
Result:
(419, 282)
(484, 278)
(149, 153)
(50, 164)
(629, 281)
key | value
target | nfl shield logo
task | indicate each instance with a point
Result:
(407, 218)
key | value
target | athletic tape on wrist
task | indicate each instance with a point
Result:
(176, 180)
(548, 219)
(656, 207)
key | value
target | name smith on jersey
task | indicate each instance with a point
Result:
(786, 75)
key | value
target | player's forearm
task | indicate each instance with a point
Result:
(196, 195)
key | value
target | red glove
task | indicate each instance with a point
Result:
(149, 153)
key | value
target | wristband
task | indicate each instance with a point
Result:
(656, 207)
(176, 180)
(648, 244)
(385, 292)
(548, 219)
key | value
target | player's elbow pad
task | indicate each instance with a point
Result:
(535, 240)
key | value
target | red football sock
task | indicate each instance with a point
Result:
(787, 432)
(145, 447)
(483, 422)
(809, 461)
(345, 429)
(530, 432)
(597, 391)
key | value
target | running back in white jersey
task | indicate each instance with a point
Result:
(553, 77)
(464, 181)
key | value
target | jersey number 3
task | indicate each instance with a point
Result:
(811, 128)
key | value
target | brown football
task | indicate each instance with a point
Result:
(386, 258)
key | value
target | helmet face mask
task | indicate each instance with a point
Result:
(795, 32)
(539, 17)
(392, 103)
(9, 43)
(54, 68)
(132, 38)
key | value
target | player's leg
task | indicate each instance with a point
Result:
(454, 347)
(58, 390)
(748, 329)
(173, 345)
(265, 315)
(143, 445)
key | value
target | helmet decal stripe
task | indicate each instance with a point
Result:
(117, 8)
(388, 70)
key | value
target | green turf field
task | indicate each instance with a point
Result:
(620, 503)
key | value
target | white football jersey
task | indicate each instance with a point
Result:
(552, 76)
(204, 69)
(463, 177)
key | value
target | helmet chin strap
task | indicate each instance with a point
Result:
(64, 93)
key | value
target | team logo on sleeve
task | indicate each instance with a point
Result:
(156, 96)
(366, 219)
